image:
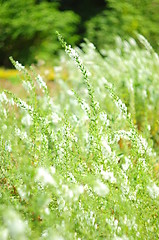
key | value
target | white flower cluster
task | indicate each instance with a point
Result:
(55, 118)
(107, 175)
(45, 177)
(23, 105)
(8, 147)
(19, 66)
(41, 82)
(105, 144)
(27, 120)
(78, 61)
(3, 98)
(27, 86)
(127, 163)
(114, 224)
(121, 106)
(103, 118)
(153, 190)
(100, 188)
(16, 227)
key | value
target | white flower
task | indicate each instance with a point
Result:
(105, 144)
(8, 146)
(108, 176)
(41, 82)
(67, 192)
(27, 120)
(70, 92)
(11, 102)
(85, 106)
(52, 169)
(14, 224)
(45, 177)
(103, 118)
(47, 211)
(19, 66)
(101, 189)
(24, 105)
(153, 190)
(127, 164)
(3, 97)
(55, 118)
(21, 192)
(4, 234)
(27, 86)
(78, 190)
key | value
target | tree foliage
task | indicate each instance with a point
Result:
(28, 29)
(125, 18)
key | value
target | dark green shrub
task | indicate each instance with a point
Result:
(28, 30)
(125, 18)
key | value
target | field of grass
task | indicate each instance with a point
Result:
(82, 162)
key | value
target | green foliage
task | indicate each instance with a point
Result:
(75, 166)
(28, 30)
(124, 19)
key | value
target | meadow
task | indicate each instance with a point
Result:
(83, 163)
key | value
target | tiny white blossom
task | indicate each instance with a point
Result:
(55, 118)
(153, 190)
(27, 86)
(126, 165)
(70, 92)
(14, 224)
(47, 211)
(52, 169)
(3, 97)
(11, 102)
(19, 66)
(105, 144)
(41, 82)
(103, 118)
(45, 177)
(24, 105)
(101, 189)
(8, 146)
(22, 193)
(4, 234)
(108, 176)
(27, 120)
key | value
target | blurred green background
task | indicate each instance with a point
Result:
(27, 27)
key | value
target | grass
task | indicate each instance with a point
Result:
(82, 164)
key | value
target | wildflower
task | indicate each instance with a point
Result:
(153, 190)
(21, 192)
(103, 118)
(47, 211)
(52, 169)
(41, 82)
(14, 224)
(78, 190)
(127, 164)
(11, 102)
(3, 97)
(55, 118)
(45, 177)
(108, 176)
(105, 144)
(8, 146)
(23, 105)
(27, 120)
(71, 93)
(101, 189)
(27, 86)
(19, 66)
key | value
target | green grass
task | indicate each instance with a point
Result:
(81, 164)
